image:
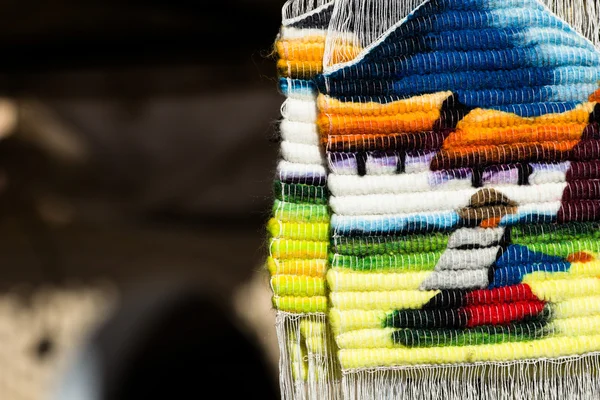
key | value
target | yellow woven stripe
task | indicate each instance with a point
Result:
(307, 267)
(296, 304)
(381, 300)
(309, 328)
(297, 285)
(350, 320)
(578, 306)
(344, 280)
(287, 248)
(299, 69)
(560, 290)
(577, 270)
(300, 50)
(371, 338)
(576, 326)
(590, 268)
(424, 103)
(298, 230)
(549, 347)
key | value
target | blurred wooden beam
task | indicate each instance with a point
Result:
(37, 36)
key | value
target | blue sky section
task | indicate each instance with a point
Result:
(509, 55)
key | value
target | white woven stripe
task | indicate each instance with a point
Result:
(299, 132)
(301, 153)
(377, 204)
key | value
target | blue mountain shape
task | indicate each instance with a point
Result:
(492, 54)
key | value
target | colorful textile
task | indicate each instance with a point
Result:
(299, 227)
(437, 206)
(463, 151)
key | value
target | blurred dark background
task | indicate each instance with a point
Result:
(138, 143)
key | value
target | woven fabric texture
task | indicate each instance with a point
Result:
(299, 227)
(464, 156)
(441, 203)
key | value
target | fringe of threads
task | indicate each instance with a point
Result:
(573, 378)
(299, 227)
(308, 364)
(356, 24)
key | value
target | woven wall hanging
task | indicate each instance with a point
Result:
(436, 225)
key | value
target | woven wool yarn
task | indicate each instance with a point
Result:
(463, 149)
(299, 225)
(458, 146)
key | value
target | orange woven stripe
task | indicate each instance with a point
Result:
(299, 69)
(348, 125)
(517, 134)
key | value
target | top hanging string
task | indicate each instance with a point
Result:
(296, 9)
(356, 24)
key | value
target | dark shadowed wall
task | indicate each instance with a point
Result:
(144, 145)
